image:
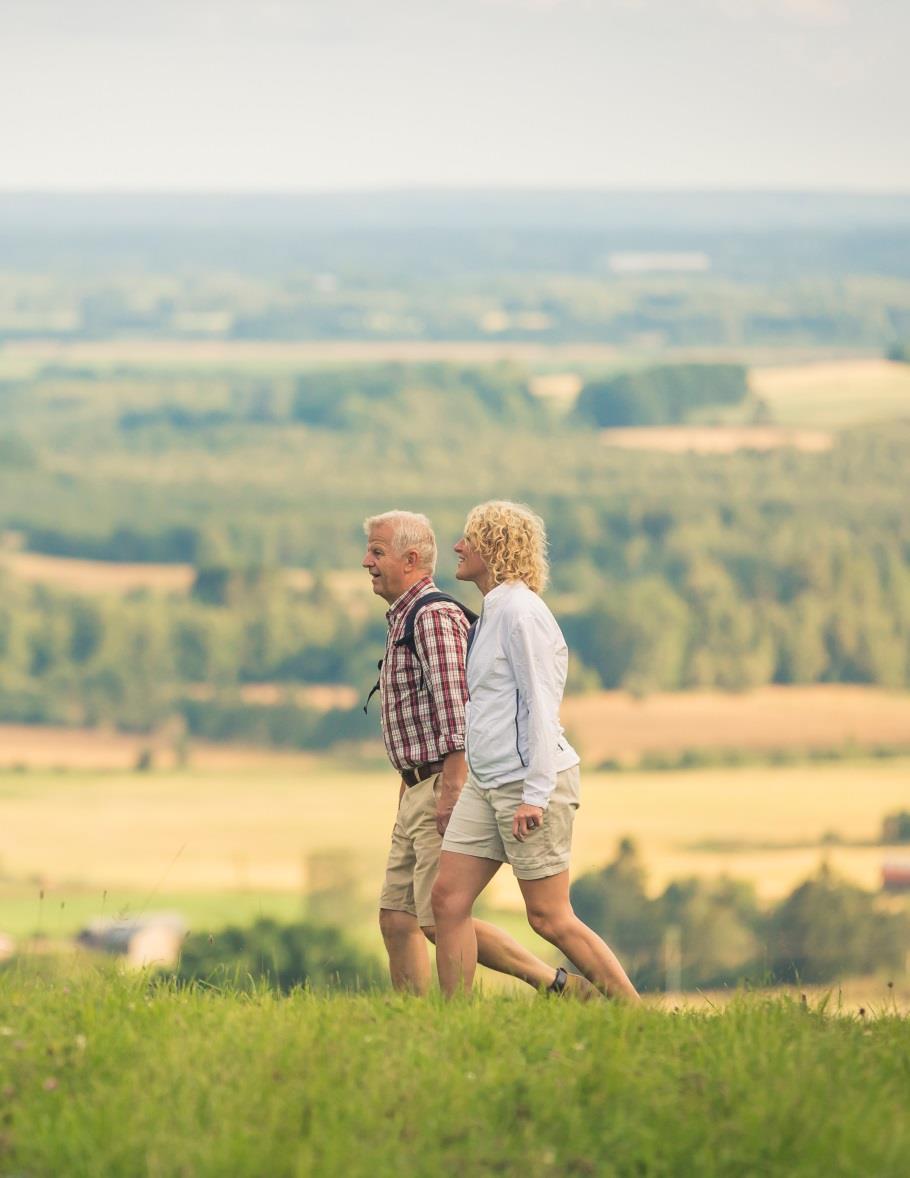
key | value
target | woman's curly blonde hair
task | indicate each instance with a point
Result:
(512, 541)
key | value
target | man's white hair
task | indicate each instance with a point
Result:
(409, 530)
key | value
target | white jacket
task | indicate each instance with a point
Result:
(517, 667)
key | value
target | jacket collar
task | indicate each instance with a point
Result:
(497, 596)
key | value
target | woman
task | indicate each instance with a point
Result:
(519, 801)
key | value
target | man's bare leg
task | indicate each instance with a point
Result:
(550, 915)
(409, 961)
(460, 881)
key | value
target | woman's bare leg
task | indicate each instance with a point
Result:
(460, 881)
(550, 914)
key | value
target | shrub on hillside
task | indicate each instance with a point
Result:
(828, 928)
(284, 956)
(661, 396)
(896, 827)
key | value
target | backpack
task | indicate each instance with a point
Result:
(407, 639)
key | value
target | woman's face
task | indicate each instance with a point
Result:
(471, 565)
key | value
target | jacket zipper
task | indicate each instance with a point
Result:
(517, 749)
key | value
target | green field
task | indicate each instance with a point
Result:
(381, 1085)
(224, 845)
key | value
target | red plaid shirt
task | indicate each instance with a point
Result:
(423, 699)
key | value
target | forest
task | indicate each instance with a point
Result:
(671, 571)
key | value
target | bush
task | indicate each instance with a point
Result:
(661, 396)
(896, 827)
(285, 956)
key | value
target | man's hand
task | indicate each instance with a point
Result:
(451, 781)
(527, 819)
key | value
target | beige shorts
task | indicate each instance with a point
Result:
(414, 855)
(481, 825)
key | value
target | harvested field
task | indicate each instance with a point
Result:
(616, 726)
(28, 356)
(840, 393)
(561, 388)
(719, 439)
(605, 726)
(97, 576)
(102, 576)
(321, 697)
(26, 746)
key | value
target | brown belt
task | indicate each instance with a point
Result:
(420, 773)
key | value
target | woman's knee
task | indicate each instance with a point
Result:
(449, 899)
(549, 923)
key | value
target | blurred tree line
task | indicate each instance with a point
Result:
(701, 932)
(75, 660)
(696, 933)
(669, 571)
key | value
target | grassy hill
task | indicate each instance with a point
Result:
(113, 1076)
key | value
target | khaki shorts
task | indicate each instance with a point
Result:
(481, 825)
(414, 855)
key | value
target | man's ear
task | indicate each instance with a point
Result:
(410, 559)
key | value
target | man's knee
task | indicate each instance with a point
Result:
(396, 926)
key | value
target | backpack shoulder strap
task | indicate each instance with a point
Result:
(407, 638)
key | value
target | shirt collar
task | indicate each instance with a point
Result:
(409, 595)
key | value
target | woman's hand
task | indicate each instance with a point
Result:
(527, 819)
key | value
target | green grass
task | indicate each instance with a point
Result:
(105, 1075)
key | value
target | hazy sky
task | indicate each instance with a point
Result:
(327, 94)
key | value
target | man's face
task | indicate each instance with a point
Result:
(471, 565)
(390, 572)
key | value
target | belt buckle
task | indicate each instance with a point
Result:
(418, 773)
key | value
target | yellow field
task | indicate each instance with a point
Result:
(719, 439)
(213, 830)
(845, 392)
(103, 576)
(604, 726)
(22, 358)
(615, 726)
(45, 747)
(98, 576)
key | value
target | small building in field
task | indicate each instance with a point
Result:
(896, 875)
(143, 941)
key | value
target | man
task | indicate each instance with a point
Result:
(422, 703)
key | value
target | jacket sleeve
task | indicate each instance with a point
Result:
(441, 639)
(530, 650)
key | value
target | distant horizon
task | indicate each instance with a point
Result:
(440, 188)
(664, 213)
